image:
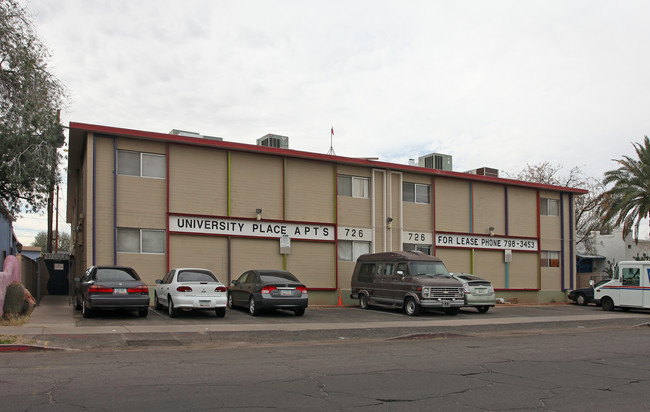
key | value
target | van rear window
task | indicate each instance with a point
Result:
(366, 272)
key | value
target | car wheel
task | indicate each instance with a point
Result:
(482, 309)
(221, 312)
(580, 299)
(452, 311)
(85, 310)
(143, 312)
(299, 311)
(363, 301)
(173, 312)
(230, 304)
(411, 307)
(77, 304)
(252, 308)
(607, 303)
(156, 303)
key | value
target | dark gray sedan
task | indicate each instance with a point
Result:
(111, 287)
(260, 290)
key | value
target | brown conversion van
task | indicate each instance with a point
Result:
(409, 280)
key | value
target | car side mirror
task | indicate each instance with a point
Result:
(592, 283)
(235, 282)
(159, 281)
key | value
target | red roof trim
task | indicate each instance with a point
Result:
(312, 156)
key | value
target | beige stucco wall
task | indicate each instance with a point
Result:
(199, 181)
(522, 212)
(490, 265)
(314, 263)
(256, 183)
(523, 272)
(310, 191)
(380, 210)
(149, 266)
(210, 252)
(489, 208)
(452, 205)
(104, 169)
(250, 254)
(456, 260)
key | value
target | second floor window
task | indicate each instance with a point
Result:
(417, 193)
(353, 186)
(141, 164)
(549, 207)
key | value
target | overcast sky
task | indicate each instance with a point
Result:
(498, 84)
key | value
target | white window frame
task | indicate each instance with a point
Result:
(143, 170)
(142, 233)
(359, 187)
(417, 189)
(549, 207)
(358, 248)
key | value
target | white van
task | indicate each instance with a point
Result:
(628, 288)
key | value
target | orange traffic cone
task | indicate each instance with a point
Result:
(340, 300)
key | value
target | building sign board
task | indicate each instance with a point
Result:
(249, 228)
(470, 241)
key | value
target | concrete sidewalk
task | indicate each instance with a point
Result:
(53, 324)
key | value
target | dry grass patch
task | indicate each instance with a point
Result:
(13, 320)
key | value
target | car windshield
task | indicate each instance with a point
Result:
(196, 276)
(115, 275)
(428, 269)
(273, 277)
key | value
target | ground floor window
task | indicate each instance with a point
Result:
(412, 247)
(550, 259)
(350, 250)
(130, 240)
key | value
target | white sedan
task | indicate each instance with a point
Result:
(188, 289)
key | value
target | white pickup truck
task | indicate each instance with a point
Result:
(628, 288)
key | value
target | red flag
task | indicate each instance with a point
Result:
(332, 131)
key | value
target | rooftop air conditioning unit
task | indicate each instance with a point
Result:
(485, 171)
(435, 161)
(274, 140)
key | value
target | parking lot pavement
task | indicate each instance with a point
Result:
(55, 323)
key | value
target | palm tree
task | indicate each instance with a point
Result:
(628, 201)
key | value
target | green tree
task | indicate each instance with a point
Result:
(30, 99)
(587, 207)
(627, 202)
(40, 240)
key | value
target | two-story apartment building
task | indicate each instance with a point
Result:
(155, 201)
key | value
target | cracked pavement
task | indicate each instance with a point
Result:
(561, 370)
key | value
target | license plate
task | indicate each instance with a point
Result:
(204, 303)
(286, 292)
(480, 291)
(445, 304)
(119, 291)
